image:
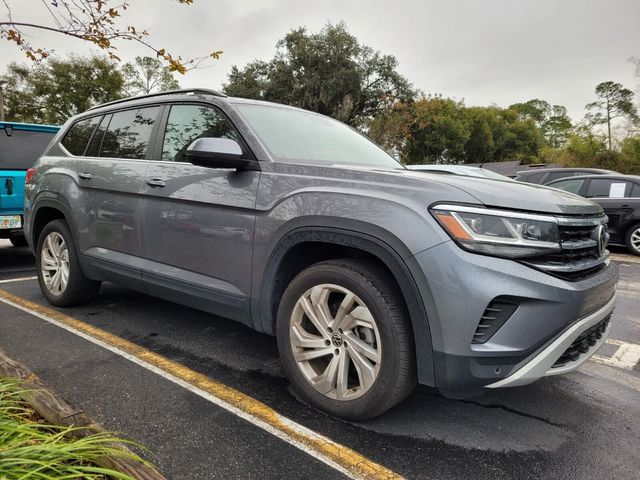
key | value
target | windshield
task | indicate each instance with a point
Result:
(296, 135)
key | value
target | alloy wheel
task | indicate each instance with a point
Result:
(335, 342)
(54, 264)
(635, 239)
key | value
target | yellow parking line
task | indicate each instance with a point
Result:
(337, 456)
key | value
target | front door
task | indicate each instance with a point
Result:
(198, 222)
(612, 195)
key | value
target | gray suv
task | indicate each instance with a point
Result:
(372, 277)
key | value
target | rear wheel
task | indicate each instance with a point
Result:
(59, 273)
(633, 239)
(18, 241)
(345, 340)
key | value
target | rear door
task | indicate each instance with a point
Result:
(198, 222)
(612, 194)
(110, 167)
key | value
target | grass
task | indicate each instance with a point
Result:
(31, 449)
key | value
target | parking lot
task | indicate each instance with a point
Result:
(582, 425)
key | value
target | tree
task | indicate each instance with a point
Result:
(614, 101)
(52, 91)
(479, 148)
(553, 121)
(147, 75)
(328, 72)
(94, 21)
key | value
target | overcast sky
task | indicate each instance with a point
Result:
(482, 51)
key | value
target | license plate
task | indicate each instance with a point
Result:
(10, 221)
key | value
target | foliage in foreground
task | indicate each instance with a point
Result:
(34, 450)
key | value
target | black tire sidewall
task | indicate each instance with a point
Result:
(378, 397)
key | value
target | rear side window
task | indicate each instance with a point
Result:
(572, 186)
(556, 175)
(187, 123)
(129, 133)
(21, 150)
(76, 139)
(605, 187)
(533, 178)
(635, 192)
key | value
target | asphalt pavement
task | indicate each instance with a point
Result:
(582, 425)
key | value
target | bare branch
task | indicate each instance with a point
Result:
(94, 21)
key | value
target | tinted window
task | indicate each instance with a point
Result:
(556, 175)
(93, 150)
(635, 192)
(76, 139)
(572, 186)
(606, 187)
(533, 178)
(187, 123)
(21, 150)
(128, 133)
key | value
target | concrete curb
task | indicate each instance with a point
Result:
(58, 412)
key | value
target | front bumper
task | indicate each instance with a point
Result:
(551, 313)
(542, 364)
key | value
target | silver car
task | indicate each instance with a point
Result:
(372, 277)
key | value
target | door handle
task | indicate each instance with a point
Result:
(85, 176)
(156, 182)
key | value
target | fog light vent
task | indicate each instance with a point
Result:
(494, 316)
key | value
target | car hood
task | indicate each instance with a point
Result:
(516, 195)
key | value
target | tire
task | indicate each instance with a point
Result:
(633, 239)
(18, 241)
(384, 332)
(78, 289)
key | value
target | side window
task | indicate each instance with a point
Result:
(605, 187)
(128, 133)
(76, 139)
(572, 186)
(93, 150)
(187, 123)
(556, 175)
(533, 178)
(635, 191)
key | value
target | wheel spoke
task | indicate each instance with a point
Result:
(50, 249)
(326, 381)
(312, 315)
(362, 347)
(307, 355)
(304, 339)
(342, 382)
(363, 317)
(343, 310)
(365, 369)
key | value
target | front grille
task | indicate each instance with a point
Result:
(583, 251)
(583, 343)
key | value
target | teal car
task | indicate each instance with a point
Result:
(20, 146)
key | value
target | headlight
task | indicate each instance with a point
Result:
(501, 233)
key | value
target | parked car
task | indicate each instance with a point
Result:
(459, 170)
(300, 227)
(543, 176)
(20, 146)
(619, 197)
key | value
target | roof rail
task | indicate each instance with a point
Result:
(194, 91)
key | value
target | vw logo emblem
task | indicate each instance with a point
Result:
(336, 338)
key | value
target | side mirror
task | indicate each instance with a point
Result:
(218, 153)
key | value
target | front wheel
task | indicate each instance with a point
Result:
(61, 278)
(345, 340)
(633, 239)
